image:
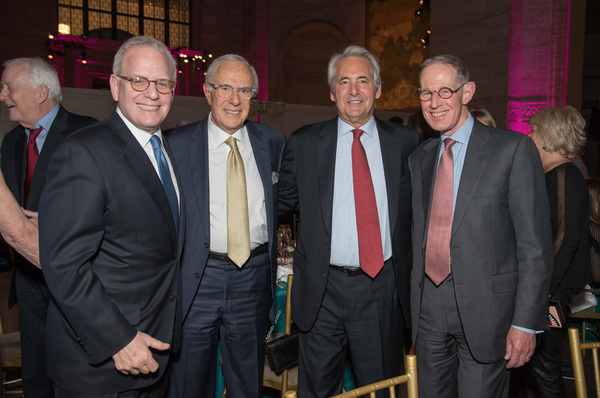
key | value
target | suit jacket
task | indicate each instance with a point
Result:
(501, 246)
(307, 180)
(13, 161)
(110, 255)
(190, 148)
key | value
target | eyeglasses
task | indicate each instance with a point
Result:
(443, 92)
(225, 91)
(138, 83)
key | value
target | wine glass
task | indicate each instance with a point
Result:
(284, 233)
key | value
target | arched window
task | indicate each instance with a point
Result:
(165, 20)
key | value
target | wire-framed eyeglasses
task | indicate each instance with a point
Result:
(138, 83)
(443, 92)
(225, 91)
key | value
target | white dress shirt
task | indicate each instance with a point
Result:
(218, 151)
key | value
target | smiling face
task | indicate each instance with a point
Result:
(25, 103)
(354, 91)
(229, 114)
(445, 115)
(146, 109)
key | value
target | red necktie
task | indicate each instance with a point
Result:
(367, 218)
(437, 256)
(32, 156)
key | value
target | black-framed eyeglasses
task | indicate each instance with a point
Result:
(225, 91)
(443, 92)
(138, 83)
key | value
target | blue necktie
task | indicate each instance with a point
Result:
(165, 177)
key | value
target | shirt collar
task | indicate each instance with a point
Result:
(463, 134)
(217, 137)
(370, 127)
(47, 120)
(143, 137)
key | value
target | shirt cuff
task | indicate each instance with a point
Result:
(530, 331)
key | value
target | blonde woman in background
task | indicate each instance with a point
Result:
(558, 134)
(483, 116)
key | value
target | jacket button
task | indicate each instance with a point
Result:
(172, 298)
(197, 275)
(206, 245)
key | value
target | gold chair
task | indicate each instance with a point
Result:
(588, 316)
(288, 380)
(410, 378)
(10, 361)
(577, 347)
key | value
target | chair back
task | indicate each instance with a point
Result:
(577, 349)
(10, 360)
(410, 378)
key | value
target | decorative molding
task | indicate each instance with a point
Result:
(523, 110)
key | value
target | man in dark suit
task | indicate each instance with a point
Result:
(227, 295)
(351, 282)
(482, 252)
(110, 238)
(31, 91)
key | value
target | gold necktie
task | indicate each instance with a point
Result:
(238, 229)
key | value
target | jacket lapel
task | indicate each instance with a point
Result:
(475, 159)
(428, 164)
(53, 139)
(135, 156)
(390, 147)
(18, 178)
(263, 162)
(326, 148)
(198, 160)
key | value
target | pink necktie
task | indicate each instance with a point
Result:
(367, 218)
(32, 157)
(437, 257)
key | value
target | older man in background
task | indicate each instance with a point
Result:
(31, 91)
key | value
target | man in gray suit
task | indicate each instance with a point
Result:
(478, 291)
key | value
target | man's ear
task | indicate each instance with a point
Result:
(207, 91)
(468, 92)
(42, 93)
(114, 87)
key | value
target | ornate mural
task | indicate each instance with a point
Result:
(395, 33)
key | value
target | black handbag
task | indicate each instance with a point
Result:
(282, 352)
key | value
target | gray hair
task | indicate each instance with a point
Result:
(144, 41)
(462, 72)
(40, 73)
(353, 51)
(560, 130)
(214, 66)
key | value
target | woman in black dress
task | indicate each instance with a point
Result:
(559, 135)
